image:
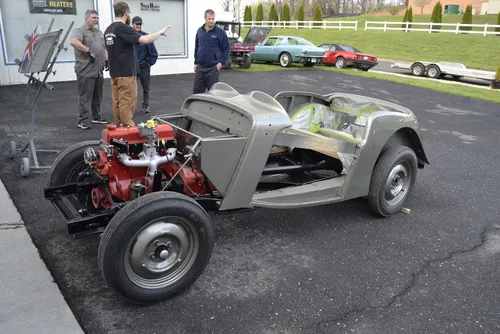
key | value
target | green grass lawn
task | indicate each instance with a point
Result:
(475, 51)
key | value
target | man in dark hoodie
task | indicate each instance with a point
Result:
(147, 56)
(211, 51)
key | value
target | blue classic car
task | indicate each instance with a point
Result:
(287, 50)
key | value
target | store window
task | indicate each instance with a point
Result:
(21, 17)
(157, 14)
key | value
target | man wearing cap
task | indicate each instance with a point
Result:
(146, 56)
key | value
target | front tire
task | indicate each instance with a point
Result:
(70, 163)
(155, 247)
(418, 70)
(392, 180)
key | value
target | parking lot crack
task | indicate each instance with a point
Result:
(414, 279)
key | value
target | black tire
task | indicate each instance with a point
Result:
(70, 163)
(418, 70)
(398, 165)
(153, 224)
(433, 71)
(285, 59)
(247, 61)
(340, 62)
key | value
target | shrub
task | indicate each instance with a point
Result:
(467, 18)
(300, 15)
(318, 16)
(260, 13)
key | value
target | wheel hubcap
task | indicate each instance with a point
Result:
(284, 60)
(432, 72)
(340, 63)
(417, 70)
(397, 184)
(161, 253)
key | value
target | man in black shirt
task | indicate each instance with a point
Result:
(121, 39)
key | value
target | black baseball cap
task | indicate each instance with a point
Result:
(136, 19)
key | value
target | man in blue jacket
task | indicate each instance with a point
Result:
(211, 50)
(147, 56)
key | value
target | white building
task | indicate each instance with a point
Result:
(18, 18)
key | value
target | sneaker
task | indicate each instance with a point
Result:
(146, 110)
(100, 121)
(83, 126)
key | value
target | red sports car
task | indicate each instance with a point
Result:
(343, 56)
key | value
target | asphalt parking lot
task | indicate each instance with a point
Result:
(330, 269)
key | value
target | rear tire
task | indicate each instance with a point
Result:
(285, 59)
(247, 61)
(340, 62)
(155, 247)
(433, 72)
(392, 180)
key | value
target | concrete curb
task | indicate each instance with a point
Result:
(30, 301)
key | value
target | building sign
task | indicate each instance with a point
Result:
(52, 7)
(149, 6)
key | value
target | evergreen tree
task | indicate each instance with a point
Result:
(318, 16)
(260, 13)
(285, 14)
(273, 16)
(249, 13)
(497, 29)
(437, 16)
(467, 18)
(405, 18)
(300, 15)
(245, 15)
(410, 16)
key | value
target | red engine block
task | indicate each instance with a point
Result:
(122, 178)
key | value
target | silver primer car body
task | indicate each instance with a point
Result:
(252, 124)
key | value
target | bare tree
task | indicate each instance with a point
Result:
(231, 6)
(422, 4)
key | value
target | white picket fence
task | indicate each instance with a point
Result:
(431, 27)
(304, 24)
(486, 29)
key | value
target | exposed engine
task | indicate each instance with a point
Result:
(139, 160)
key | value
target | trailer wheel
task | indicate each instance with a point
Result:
(392, 180)
(70, 163)
(433, 72)
(155, 247)
(418, 70)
